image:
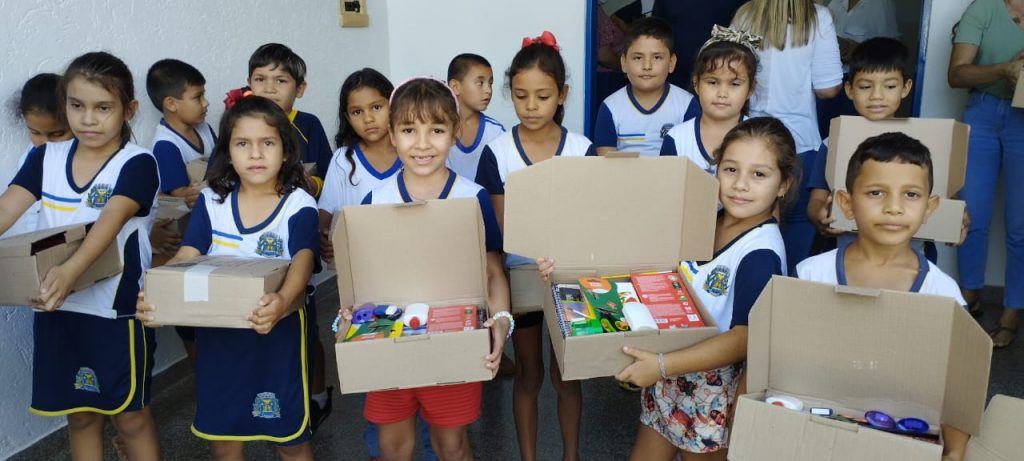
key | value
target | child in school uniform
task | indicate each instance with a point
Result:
(724, 77)
(253, 384)
(38, 106)
(889, 194)
(689, 393)
(637, 117)
(424, 121)
(92, 358)
(471, 78)
(536, 79)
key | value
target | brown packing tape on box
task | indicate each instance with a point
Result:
(906, 354)
(946, 139)
(608, 216)
(25, 260)
(1018, 94)
(428, 252)
(999, 439)
(212, 291)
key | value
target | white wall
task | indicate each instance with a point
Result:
(939, 100)
(425, 35)
(216, 37)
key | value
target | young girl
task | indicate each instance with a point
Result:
(536, 79)
(424, 117)
(91, 357)
(37, 105)
(723, 80)
(253, 384)
(688, 394)
(365, 157)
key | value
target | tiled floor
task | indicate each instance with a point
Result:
(609, 416)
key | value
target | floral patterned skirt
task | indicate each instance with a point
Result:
(691, 410)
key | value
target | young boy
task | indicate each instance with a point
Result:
(636, 118)
(889, 194)
(879, 80)
(470, 78)
(278, 74)
(178, 91)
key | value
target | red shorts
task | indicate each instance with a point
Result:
(441, 406)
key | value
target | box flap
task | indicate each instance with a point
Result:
(21, 244)
(904, 353)
(428, 252)
(225, 266)
(945, 138)
(171, 208)
(579, 210)
(1018, 94)
(999, 439)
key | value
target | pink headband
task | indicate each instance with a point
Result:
(424, 77)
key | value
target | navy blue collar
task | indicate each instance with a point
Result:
(373, 171)
(922, 266)
(71, 157)
(657, 105)
(700, 141)
(404, 192)
(479, 136)
(194, 147)
(522, 152)
(238, 219)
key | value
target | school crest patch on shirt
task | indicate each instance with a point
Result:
(270, 245)
(85, 380)
(99, 195)
(717, 282)
(266, 406)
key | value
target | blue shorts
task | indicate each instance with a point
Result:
(87, 363)
(253, 387)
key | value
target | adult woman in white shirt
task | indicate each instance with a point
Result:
(799, 62)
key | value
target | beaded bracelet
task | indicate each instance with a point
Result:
(511, 321)
(661, 365)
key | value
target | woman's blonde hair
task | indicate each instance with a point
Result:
(771, 18)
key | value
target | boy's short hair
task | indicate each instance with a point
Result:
(276, 54)
(886, 148)
(170, 77)
(460, 65)
(880, 54)
(653, 27)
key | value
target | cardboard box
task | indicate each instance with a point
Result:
(1018, 94)
(854, 350)
(527, 289)
(612, 215)
(25, 260)
(947, 141)
(196, 169)
(999, 439)
(212, 291)
(174, 209)
(429, 252)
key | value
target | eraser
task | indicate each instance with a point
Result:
(821, 411)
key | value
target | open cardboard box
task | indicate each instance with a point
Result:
(1018, 94)
(174, 209)
(212, 291)
(426, 252)
(999, 439)
(853, 350)
(26, 258)
(947, 141)
(196, 169)
(612, 215)
(527, 289)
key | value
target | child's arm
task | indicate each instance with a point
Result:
(143, 310)
(326, 247)
(13, 203)
(274, 306)
(497, 301)
(59, 281)
(955, 443)
(498, 203)
(190, 193)
(819, 213)
(605, 135)
(715, 352)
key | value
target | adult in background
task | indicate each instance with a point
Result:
(799, 62)
(691, 25)
(987, 57)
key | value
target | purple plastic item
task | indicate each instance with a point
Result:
(880, 420)
(912, 426)
(363, 314)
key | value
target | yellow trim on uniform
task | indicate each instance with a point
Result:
(131, 389)
(58, 207)
(225, 243)
(305, 400)
(291, 118)
(637, 139)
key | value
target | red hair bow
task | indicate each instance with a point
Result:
(236, 95)
(546, 38)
